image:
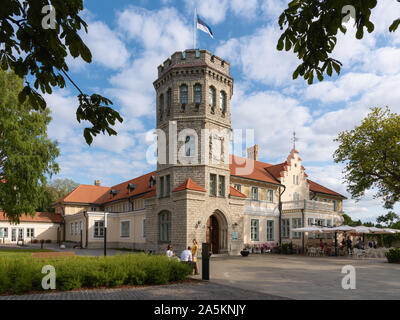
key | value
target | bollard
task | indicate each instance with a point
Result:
(205, 261)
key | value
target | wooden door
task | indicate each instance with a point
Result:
(212, 234)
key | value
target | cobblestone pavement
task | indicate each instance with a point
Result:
(183, 291)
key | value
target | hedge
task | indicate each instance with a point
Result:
(393, 255)
(24, 274)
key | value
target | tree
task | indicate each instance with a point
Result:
(311, 32)
(30, 45)
(27, 155)
(54, 191)
(350, 222)
(388, 219)
(371, 152)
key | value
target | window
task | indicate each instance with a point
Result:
(30, 232)
(80, 226)
(212, 97)
(3, 232)
(296, 223)
(285, 228)
(254, 193)
(334, 205)
(169, 101)
(297, 180)
(125, 228)
(310, 223)
(197, 93)
(144, 228)
(161, 106)
(270, 195)
(254, 229)
(98, 229)
(237, 187)
(139, 204)
(168, 185)
(183, 91)
(165, 226)
(161, 187)
(71, 228)
(296, 196)
(222, 101)
(270, 230)
(221, 186)
(188, 146)
(213, 184)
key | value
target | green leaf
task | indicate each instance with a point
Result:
(394, 25)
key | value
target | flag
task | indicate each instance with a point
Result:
(204, 27)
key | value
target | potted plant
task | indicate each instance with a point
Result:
(245, 252)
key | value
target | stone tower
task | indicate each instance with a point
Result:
(193, 91)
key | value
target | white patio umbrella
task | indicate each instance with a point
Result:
(343, 228)
(308, 229)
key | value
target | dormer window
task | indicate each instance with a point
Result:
(152, 181)
(131, 187)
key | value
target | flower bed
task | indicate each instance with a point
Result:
(18, 275)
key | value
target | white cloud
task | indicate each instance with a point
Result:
(258, 57)
(246, 8)
(213, 11)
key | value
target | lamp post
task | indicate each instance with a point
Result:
(105, 233)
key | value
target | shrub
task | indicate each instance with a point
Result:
(393, 255)
(22, 274)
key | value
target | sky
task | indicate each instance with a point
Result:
(129, 39)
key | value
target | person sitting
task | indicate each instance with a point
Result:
(170, 253)
(186, 255)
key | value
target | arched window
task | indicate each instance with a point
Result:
(197, 93)
(222, 101)
(161, 106)
(212, 96)
(183, 92)
(169, 101)
(189, 146)
(164, 220)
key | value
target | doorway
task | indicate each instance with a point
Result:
(212, 234)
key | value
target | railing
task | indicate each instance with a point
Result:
(307, 205)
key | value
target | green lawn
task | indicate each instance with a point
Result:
(20, 252)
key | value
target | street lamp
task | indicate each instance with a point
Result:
(105, 233)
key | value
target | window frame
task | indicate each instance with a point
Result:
(183, 96)
(285, 230)
(270, 230)
(223, 101)
(197, 92)
(213, 184)
(254, 230)
(252, 194)
(221, 186)
(164, 226)
(99, 229)
(129, 229)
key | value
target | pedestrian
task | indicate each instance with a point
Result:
(349, 245)
(170, 253)
(195, 249)
(186, 255)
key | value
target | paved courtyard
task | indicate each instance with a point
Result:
(301, 277)
(260, 277)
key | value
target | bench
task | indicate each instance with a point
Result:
(52, 254)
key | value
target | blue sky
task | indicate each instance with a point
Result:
(129, 39)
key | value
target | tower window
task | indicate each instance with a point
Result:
(161, 106)
(183, 94)
(221, 186)
(213, 184)
(222, 101)
(189, 146)
(169, 101)
(212, 97)
(197, 93)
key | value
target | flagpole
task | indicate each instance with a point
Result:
(194, 29)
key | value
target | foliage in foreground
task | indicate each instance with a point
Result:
(393, 255)
(24, 274)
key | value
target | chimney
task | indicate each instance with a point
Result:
(97, 183)
(252, 152)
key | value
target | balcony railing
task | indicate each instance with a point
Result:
(308, 205)
(260, 206)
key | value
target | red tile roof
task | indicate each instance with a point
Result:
(189, 184)
(85, 194)
(315, 187)
(236, 193)
(258, 171)
(277, 170)
(39, 217)
(142, 186)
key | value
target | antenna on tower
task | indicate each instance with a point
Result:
(294, 139)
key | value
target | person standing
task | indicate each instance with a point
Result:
(349, 243)
(195, 249)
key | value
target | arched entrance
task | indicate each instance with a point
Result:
(217, 232)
